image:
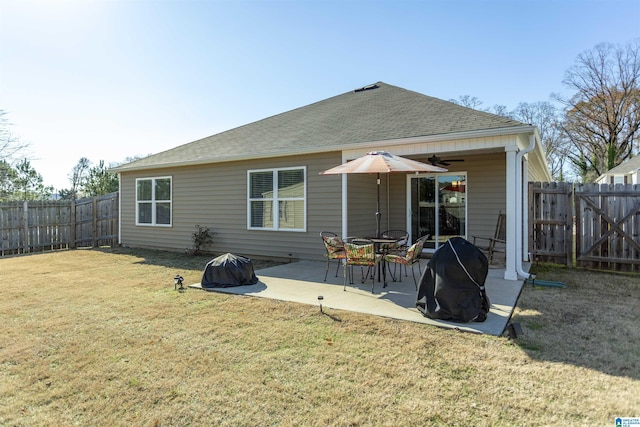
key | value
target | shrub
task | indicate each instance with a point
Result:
(202, 237)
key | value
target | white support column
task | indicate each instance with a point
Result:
(511, 250)
(345, 212)
(120, 208)
(524, 256)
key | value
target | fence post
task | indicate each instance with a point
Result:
(95, 222)
(25, 225)
(72, 225)
(569, 227)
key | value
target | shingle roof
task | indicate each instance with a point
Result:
(629, 166)
(377, 112)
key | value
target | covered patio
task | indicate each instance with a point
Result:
(302, 282)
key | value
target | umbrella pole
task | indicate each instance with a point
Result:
(378, 214)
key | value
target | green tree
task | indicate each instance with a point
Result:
(100, 181)
(602, 117)
(7, 179)
(28, 183)
(66, 194)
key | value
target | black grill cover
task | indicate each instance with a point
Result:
(447, 291)
(228, 270)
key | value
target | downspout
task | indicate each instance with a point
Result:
(520, 204)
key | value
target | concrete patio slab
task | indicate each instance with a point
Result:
(302, 282)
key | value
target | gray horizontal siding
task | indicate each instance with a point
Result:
(486, 187)
(361, 196)
(216, 196)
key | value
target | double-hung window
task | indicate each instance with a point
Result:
(277, 199)
(153, 201)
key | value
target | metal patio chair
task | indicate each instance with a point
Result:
(398, 247)
(401, 244)
(409, 258)
(335, 250)
(361, 252)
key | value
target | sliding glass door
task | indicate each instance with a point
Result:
(438, 207)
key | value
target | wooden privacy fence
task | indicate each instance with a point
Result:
(593, 225)
(47, 225)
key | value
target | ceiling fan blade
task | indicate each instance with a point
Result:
(434, 160)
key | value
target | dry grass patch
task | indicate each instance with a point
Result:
(592, 323)
(100, 337)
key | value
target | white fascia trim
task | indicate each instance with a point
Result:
(516, 130)
(484, 133)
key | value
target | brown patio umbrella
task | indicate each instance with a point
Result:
(381, 162)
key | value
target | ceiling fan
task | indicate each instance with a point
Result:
(437, 161)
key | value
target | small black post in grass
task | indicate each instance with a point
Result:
(177, 282)
(514, 330)
(320, 298)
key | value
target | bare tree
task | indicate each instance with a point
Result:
(546, 118)
(468, 101)
(602, 117)
(10, 146)
(500, 110)
(78, 177)
(475, 103)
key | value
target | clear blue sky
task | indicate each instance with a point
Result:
(114, 79)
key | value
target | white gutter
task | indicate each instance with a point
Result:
(520, 205)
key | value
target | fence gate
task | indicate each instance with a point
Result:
(551, 222)
(608, 226)
(599, 223)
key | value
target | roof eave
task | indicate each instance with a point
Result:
(481, 133)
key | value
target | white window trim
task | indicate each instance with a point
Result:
(437, 219)
(275, 200)
(153, 202)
